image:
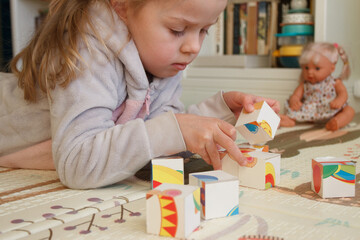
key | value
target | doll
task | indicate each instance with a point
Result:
(320, 97)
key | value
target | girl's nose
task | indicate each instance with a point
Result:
(191, 44)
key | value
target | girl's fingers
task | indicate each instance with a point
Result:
(250, 100)
(248, 103)
(228, 129)
(274, 104)
(213, 153)
(228, 143)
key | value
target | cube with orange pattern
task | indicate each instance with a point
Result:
(173, 210)
(259, 126)
(262, 170)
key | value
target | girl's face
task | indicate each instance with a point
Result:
(318, 72)
(169, 33)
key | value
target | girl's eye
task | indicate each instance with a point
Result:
(177, 33)
(306, 67)
(317, 68)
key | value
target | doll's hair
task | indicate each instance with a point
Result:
(52, 57)
(313, 51)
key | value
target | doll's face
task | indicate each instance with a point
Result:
(317, 72)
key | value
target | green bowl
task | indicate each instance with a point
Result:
(289, 62)
(298, 28)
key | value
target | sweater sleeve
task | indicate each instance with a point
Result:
(89, 150)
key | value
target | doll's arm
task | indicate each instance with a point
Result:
(295, 99)
(341, 95)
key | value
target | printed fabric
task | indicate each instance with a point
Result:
(316, 103)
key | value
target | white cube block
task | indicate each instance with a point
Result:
(246, 147)
(258, 126)
(173, 210)
(262, 172)
(167, 170)
(333, 177)
(219, 193)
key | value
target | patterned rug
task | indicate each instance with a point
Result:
(35, 205)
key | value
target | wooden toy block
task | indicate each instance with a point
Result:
(246, 147)
(333, 177)
(258, 126)
(167, 170)
(219, 193)
(173, 210)
(261, 172)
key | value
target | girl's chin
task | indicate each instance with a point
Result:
(166, 74)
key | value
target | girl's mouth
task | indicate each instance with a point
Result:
(180, 66)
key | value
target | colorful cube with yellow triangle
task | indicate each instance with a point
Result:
(167, 170)
(173, 210)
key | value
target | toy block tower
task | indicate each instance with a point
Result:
(246, 147)
(333, 177)
(167, 170)
(258, 126)
(219, 193)
(261, 172)
(173, 210)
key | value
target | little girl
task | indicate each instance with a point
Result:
(320, 97)
(101, 79)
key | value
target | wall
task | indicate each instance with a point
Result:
(342, 26)
(200, 83)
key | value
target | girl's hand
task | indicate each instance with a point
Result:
(238, 100)
(294, 103)
(203, 134)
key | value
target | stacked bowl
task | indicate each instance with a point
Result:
(297, 30)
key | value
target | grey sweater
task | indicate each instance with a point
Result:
(89, 149)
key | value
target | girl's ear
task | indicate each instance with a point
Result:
(120, 7)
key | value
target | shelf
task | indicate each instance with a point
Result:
(242, 73)
(241, 61)
(23, 13)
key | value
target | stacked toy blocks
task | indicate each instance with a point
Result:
(245, 148)
(261, 172)
(263, 168)
(219, 193)
(167, 170)
(258, 126)
(333, 177)
(173, 210)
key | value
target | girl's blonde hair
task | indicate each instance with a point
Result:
(52, 57)
(313, 51)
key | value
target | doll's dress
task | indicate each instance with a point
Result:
(316, 102)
